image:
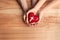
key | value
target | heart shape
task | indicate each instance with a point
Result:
(32, 18)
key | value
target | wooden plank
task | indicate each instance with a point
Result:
(13, 28)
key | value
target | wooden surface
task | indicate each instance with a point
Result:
(13, 28)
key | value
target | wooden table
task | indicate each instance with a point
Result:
(12, 26)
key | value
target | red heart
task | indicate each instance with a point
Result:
(32, 18)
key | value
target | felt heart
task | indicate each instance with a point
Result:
(32, 18)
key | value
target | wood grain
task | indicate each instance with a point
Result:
(13, 28)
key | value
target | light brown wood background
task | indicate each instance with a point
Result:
(13, 28)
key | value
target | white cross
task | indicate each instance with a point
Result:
(31, 19)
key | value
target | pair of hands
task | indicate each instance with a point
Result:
(30, 16)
